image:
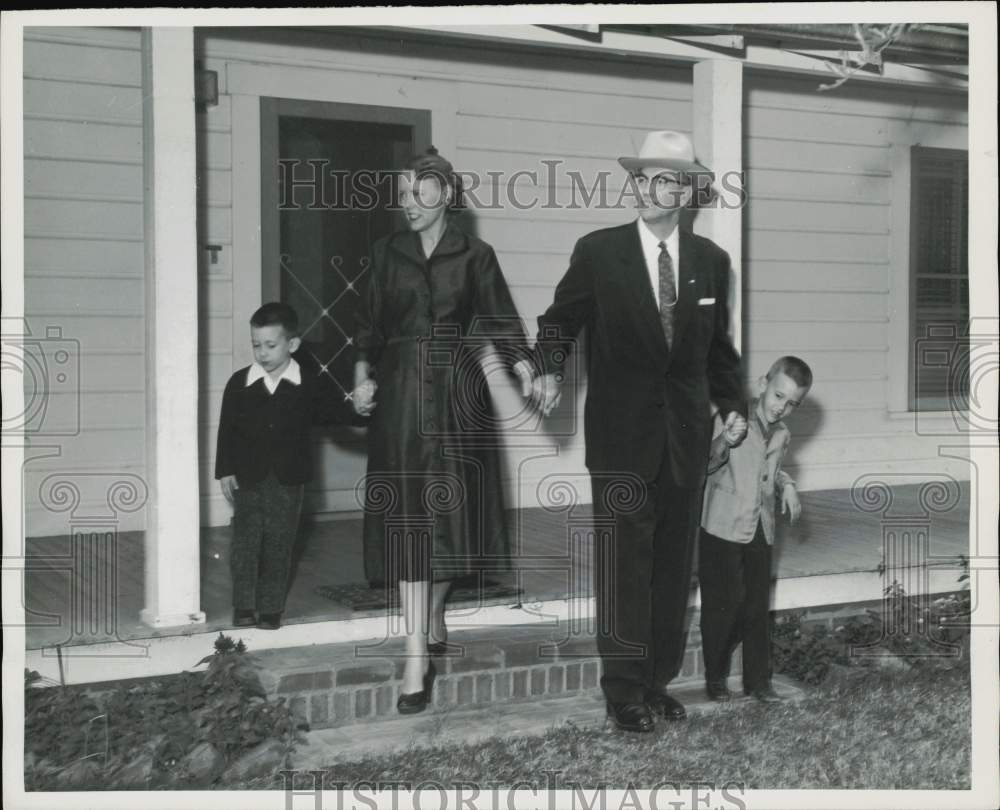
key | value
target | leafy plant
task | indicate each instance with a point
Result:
(919, 634)
(158, 722)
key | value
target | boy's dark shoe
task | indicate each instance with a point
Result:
(718, 691)
(244, 618)
(634, 717)
(666, 706)
(765, 694)
(269, 621)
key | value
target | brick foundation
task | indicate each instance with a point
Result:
(360, 682)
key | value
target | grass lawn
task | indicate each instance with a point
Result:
(872, 729)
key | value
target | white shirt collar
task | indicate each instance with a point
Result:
(651, 252)
(292, 373)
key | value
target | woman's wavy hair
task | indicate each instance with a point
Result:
(431, 164)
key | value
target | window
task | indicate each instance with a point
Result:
(939, 279)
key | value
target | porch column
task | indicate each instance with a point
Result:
(172, 528)
(718, 143)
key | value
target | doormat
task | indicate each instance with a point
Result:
(361, 598)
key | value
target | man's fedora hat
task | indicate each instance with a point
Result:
(665, 149)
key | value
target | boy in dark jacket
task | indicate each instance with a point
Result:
(262, 461)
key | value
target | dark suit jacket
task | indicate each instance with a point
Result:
(260, 432)
(643, 400)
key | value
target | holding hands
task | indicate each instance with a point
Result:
(735, 429)
(363, 398)
(543, 391)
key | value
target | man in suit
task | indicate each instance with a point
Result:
(652, 301)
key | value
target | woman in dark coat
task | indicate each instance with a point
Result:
(434, 500)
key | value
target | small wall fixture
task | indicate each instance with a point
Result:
(206, 87)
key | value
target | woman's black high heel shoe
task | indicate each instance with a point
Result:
(414, 702)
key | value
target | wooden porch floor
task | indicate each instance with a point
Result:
(93, 591)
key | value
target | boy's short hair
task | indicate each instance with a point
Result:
(795, 368)
(277, 313)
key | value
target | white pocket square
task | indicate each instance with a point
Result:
(705, 301)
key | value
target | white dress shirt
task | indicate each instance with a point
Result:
(651, 252)
(291, 373)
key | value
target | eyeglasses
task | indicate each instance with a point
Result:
(658, 181)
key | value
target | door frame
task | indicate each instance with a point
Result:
(271, 109)
(246, 83)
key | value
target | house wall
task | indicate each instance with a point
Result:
(825, 248)
(83, 268)
(826, 268)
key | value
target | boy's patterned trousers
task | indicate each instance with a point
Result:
(265, 524)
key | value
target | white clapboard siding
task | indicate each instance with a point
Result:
(84, 216)
(781, 182)
(795, 154)
(798, 336)
(56, 179)
(770, 92)
(76, 101)
(69, 140)
(817, 277)
(86, 254)
(84, 271)
(829, 306)
(818, 215)
(817, 256)
(795, 244)
(510, 115)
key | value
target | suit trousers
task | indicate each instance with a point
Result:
(643, 556)
(735, 580)
(265, 524)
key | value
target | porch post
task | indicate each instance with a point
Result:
(172, 529)
(718, 143)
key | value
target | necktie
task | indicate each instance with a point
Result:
(668, 294)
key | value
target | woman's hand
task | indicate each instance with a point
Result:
(363, 398)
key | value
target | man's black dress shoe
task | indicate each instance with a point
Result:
(244, 618)
(764, 694)
(634, 717)
(269, 621)
(414, 702)
(718, 691)
(666, 706)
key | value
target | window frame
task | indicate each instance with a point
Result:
(926, 404)
(903, 136)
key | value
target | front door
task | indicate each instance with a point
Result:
(327, 194)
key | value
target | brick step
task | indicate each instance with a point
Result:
(384, 735)
(333, 685)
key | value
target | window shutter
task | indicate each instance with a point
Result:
(939, 273)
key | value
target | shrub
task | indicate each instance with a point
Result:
(934, 634)
(164, 719)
